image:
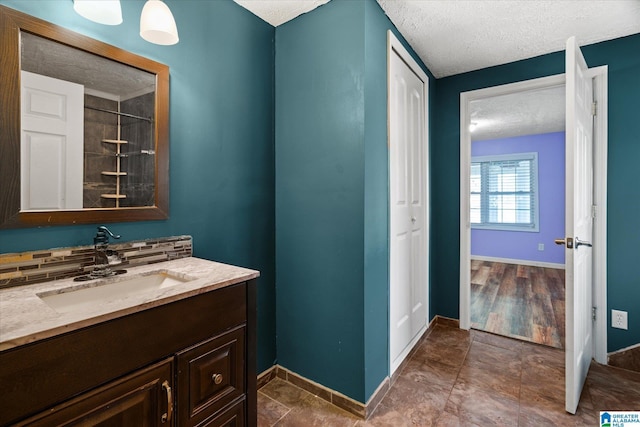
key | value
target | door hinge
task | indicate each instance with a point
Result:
(594, 211)
(593, 313)
(594, 108)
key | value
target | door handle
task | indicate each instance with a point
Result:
(582, 243)
(568, 241)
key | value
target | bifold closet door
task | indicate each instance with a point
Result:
(408, 213)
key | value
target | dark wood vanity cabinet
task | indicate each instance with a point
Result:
(187, 363)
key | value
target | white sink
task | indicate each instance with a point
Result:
(90, 294)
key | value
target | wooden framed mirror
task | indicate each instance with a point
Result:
(84, 128)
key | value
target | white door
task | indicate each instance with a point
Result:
(52, 143)
(579, 224)
(408, 213)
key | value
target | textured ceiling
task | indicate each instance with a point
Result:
(453, 37)
(456, 36)
(277, 12)
(524, 113)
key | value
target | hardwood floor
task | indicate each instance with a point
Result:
(518, 301)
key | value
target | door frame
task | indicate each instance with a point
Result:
(600, 76)
(395, 46)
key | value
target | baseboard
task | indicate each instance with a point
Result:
(335, 398)
(626, 358)
(377, 397)
(338, 399)
(518, 262)
(265, 377)
(446, 321)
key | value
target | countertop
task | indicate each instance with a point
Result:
(25, 318)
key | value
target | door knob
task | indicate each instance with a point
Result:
(413, 219)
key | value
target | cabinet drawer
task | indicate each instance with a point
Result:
(232, 417)
(210, 376)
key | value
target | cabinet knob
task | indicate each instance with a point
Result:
(216, 378)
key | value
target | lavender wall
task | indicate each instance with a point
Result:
(523, 245)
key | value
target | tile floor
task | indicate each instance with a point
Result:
(461, 378)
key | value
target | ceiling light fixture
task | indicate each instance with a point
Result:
(157, 24)
(106, 12)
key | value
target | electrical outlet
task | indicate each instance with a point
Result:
(541, 246)
(619, 319)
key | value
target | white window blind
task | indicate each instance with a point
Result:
(504, 192)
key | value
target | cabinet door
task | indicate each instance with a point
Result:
(211, 375)
(142, 399)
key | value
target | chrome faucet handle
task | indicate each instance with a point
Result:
(102, 236)
(103, 229)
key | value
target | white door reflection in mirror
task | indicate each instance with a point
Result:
(52, 118)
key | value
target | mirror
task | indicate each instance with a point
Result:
(84, 134)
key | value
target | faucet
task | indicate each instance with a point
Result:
(104, 257)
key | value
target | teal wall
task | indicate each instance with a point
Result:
(221, 140)
(623, 58)
(320, 195)
(331, 196)
(376, 195)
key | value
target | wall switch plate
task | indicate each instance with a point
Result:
(541, 246)
(619, 319)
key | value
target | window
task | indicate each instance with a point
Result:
(504, 192)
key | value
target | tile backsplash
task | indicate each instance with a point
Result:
(40, 266)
